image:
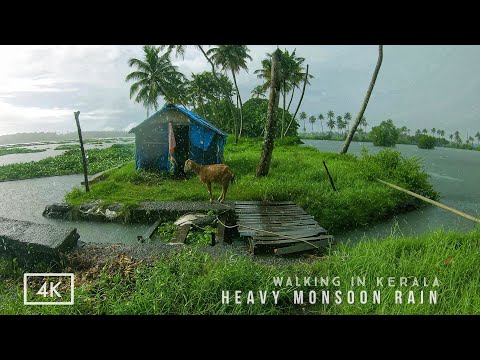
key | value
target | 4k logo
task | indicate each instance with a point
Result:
(48, 289)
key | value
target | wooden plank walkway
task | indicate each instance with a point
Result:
(280, 227)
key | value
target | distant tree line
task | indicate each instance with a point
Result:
(51, 136)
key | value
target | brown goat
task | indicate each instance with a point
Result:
(208, 174)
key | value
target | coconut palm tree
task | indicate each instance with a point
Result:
(347, 117)
(321, 118)
(349, 138)
(180, 52)
(425, 131)
(232, 58)
(434, 131)
(471, 139)
(292, 74)
(418, 132)
(458, 139)
(155, 77)
(364, 123)
(258, 91)
(331, 125)
(477, 135)
(312, 120)
(340, 123)
(303, 116)
(451, 137)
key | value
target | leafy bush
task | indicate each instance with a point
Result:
(385, 134)
(426, 142)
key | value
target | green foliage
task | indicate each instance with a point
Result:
(191, 282)
(426, 142)
(296, 174)
(385, 134)
(18, 150)
(69, 163)
(255, 114)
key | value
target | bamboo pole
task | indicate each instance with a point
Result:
(84, 158)
(433, 202)
(329, 176)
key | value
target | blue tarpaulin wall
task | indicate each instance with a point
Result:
(206, 143)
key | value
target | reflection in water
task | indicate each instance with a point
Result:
(454, 173)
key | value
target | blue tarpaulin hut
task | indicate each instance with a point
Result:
(176, 132)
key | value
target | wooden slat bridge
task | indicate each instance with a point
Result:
(280, 227)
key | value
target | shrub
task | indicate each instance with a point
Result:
(426, 142)
(385, 134)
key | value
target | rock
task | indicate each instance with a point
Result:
(58, 211)
(26, 240)
(110, 214)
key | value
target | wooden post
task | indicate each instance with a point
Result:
(328, 173)
(84, 158)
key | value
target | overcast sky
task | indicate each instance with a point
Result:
(418, 86)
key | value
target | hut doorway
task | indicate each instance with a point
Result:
(182, 140)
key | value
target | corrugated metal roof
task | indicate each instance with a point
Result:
(193, 116)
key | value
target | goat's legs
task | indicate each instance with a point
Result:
(209, 188)
(224, 191)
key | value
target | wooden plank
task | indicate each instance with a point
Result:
(300, 247)
(264, 235)
(287, 241)
(148, 234)
(182, 233)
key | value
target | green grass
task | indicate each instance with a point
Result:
(18, 150)
(191, 282)
(296, 174)
(69, 163)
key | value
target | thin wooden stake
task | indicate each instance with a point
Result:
(433, 202)
(328, 173)
(84, 158)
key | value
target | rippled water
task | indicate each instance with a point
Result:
(455, 173)
(50, 151)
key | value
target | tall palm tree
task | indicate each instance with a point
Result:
(425, 131)
(232, 58)
(471, 139)
(340, 123)
(312, 120)
(331, 117)
(347, 117)
(477, 135)
(303, 116)
(292, 74)
(434, 131)
(451, 137)
(458, 139)
(364, 123)
(331, 125)
(258, 91)
(418, 132)
(155, 76)
(180, 52)
(321, 118)
(349, 138)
